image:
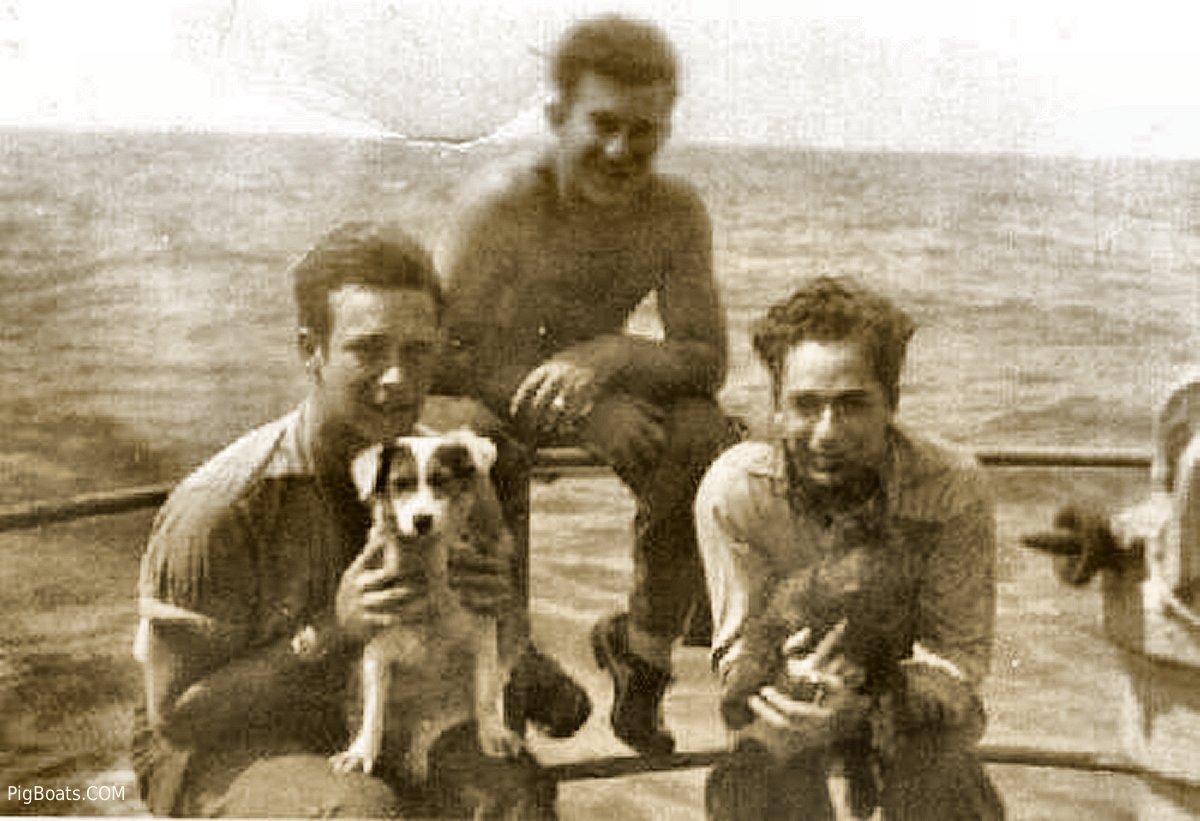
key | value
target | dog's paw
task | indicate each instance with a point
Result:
(498, 741)
(352, 761)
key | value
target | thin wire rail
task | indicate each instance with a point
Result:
(552, 463)
(1000, 754)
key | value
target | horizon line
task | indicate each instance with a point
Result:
(454, 142)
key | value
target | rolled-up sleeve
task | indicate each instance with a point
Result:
(957, 604)
(737, 574)
(196, 587)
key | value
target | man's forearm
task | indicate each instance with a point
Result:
(655, 369)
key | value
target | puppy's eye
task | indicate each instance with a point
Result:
(404, 476)
(440, 478)
(455, 462)
(404, 483)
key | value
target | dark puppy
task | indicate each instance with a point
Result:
(852, 604)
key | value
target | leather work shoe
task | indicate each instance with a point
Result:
(638, 688)
(540, 692)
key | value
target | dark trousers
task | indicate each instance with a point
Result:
(290, 780)
(928, 779)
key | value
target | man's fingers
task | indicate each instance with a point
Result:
(828, 644)
(798, 641)
(389, 598)
(802, 670)
(839, 667)
(372, 551)
(766, 713)
(549, 397)
(380, 578)
(776, 708)
(528, 387)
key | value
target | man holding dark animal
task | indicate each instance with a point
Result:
(546, 262)
(257, 596)
(850, 566)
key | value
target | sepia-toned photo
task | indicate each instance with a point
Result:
(643, 409)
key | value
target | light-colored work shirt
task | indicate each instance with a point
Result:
(754, 529)
(246, 551)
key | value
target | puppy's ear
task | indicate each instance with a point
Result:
(366, 469)
(483, 450)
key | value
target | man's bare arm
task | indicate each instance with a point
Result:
(691, 360)
(486, 356)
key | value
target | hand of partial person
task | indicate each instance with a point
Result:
(1074, 526)
(820, 706)
(554, 397)
(1082, 543)
(370, 599)
(625, 430)
(483, 582)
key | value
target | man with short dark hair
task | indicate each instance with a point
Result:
(883, 544)
(256, 596)
(545, 264)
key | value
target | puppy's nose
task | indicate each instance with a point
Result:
(423, 523)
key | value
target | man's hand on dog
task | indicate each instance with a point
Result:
(827, 708)
(370, 599)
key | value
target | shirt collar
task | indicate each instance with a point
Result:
(900, 471)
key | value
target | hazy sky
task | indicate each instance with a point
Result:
(1040, 76)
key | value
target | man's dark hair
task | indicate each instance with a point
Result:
(632, 52)
(382, 255)
(834, 309)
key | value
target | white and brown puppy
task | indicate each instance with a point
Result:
(430, 496)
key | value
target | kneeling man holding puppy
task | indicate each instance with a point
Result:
(850, 566)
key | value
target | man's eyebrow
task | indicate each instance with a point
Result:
(834, 392)
(373, 337)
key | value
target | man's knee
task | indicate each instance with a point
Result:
(305, 786)
(698, 430)
(750, 784)
(465, 780)
(934, 776)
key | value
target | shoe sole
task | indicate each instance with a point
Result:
(604, 653)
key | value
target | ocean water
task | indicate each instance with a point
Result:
(145, 321)
(144, 273)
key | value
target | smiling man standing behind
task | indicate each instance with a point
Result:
(545, 264)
